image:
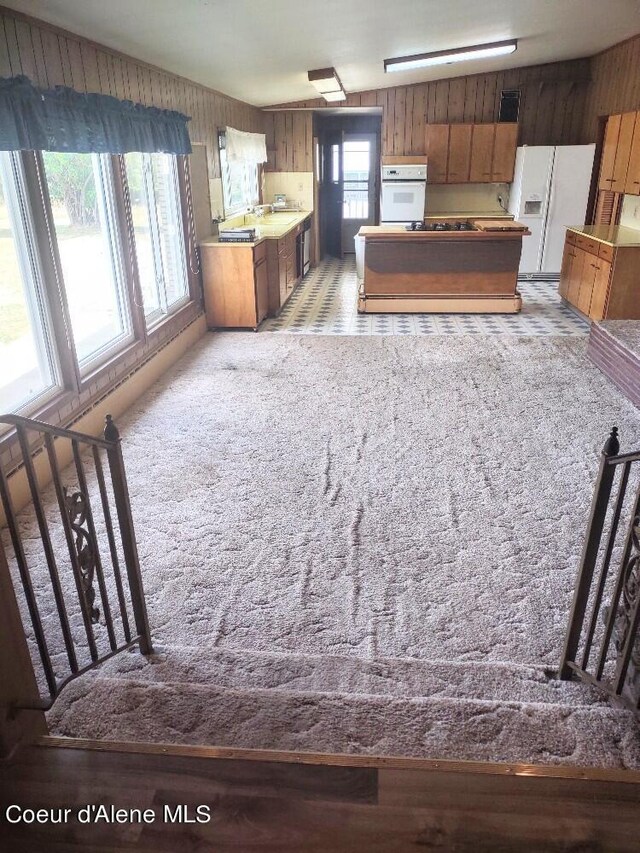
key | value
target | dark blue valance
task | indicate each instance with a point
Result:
(62, 119)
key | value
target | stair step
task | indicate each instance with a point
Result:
(137, 710)
(241, 669)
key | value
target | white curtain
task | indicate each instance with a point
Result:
(245, 147)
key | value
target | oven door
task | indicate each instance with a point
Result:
(402, 201)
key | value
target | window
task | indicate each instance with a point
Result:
(159, 238)
(86, 228)
(356, 159)
(29, 369)
(239, 182)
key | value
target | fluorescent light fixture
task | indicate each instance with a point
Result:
(445, 57)
(327, 82)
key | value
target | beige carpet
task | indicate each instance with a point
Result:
(364, 545)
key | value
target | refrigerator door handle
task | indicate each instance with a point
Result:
(549, 211)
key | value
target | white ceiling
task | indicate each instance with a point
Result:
(260, 50)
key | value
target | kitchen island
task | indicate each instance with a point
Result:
(474, 270)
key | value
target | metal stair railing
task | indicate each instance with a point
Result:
(91, 558)
(602, 644)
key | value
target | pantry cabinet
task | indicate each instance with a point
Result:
(620, 161)
(632, 184)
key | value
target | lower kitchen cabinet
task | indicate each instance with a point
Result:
(236, 284)
(282, 265)
(598, 278)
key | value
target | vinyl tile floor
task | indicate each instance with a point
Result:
(325, 303)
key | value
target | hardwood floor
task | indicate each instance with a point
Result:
(260, 801)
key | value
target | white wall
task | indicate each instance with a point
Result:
(297, 186)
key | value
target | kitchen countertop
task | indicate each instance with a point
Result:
(619, 236)
(271, 226)
(471, 214)
(399, 232)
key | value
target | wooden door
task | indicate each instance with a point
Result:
(575, 274)
(600, 290)
(504, 152)
(437, 148)
(459, 153)
(609, 146)
(262, 290)
(587, 280)
(623, 152)
(632, 184)
(482, 138)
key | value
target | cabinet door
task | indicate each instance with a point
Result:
(504, 152)
(575, 274)
(459, 153)
(261, 276)
(609, 147)
(632, 184)
(623, 152)
(600, 289)
(481, 153)
(587, 281)
(437, 148)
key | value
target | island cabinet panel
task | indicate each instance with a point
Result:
(437, 148)
(609, 147)
(235, 285)
(623, 152)
(459, 153)
(504, 152)
(482, 140)
(632, 184)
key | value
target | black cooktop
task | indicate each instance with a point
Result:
(456, 225)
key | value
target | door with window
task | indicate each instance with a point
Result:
(359, 186)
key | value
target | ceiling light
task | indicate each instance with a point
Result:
(444, 57)
(327, 82)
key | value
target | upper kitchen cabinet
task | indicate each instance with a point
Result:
(471, 153)
(459, 153)
(632, 184)
(609, 148)
(437, 149)
(481, 153)
(623, 152)
(504, 152)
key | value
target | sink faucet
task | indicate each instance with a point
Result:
(259, 209)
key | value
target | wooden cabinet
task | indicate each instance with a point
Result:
(504, 152)
(632, 184)
(609, 147)
(283, 268)
(459, 153)
(623, 152)
(235, 284)
(437, 148)
(599, 279)
(471, 153)
(481, 165)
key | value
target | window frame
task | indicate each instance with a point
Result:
(28, 249)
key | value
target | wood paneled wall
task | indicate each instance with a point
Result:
(551, 106)
(615, 86)
(289, 141)
(51, 57)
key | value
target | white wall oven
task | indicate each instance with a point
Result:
(403, 194)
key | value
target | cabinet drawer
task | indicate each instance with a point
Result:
(606, 252)
(587, 244)
(571, 238)
(260, 252)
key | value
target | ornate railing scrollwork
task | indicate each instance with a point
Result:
(76, 506)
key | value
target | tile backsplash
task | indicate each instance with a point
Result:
(296, 186)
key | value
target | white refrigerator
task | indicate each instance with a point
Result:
(549, 193)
